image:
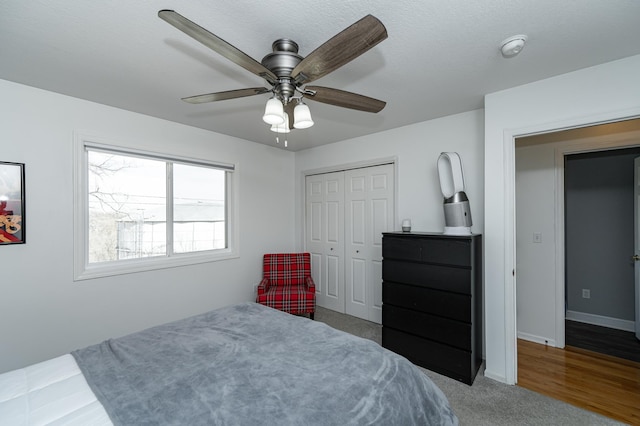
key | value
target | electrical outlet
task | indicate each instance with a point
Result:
(537, 237)
(586, 293)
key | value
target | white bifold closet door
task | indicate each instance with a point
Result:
(324, 219)
(346, 214)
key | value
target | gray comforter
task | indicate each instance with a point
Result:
(251, 365)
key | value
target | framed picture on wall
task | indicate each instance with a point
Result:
(12, 229)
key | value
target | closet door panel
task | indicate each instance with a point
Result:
(356, 227)
(325, 237)
(369, 198)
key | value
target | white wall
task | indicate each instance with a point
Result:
(598, 94)
(416, 149)
(43, 312)
(536, 213)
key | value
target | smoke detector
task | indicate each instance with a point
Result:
(513, 45)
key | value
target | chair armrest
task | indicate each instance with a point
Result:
(311, 286)
(263, 286)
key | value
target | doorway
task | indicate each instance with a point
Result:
(540, 247)
(540, 225)
(600, 239)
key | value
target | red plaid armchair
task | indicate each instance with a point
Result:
(287, 284)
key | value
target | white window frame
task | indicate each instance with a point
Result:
(83, 270)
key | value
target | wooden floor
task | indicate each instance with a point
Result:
(600, 383)
(609, 341)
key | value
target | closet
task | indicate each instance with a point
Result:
(346, 213)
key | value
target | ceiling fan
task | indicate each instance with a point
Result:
(287, 72)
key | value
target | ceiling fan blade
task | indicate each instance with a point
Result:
(344, 99)
(340, 49)
(216, 44)
(222, 96)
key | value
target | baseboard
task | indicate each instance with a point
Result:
(618, 324)
(537, 339)
(497, 377)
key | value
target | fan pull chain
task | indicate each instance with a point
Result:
(286, 143)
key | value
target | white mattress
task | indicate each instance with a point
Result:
(53, 392)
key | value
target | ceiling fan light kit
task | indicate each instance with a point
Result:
(282, 127)
(273, 112)
(287, 72)
(513, 45)
(302, 116)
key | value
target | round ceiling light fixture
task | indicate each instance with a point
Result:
(513, 45)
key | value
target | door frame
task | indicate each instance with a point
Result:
(562, 146)
(509, 164)
(636, 243)
(349, 166)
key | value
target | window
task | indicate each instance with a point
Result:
(141, 211)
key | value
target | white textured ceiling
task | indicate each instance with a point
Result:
(441, 57)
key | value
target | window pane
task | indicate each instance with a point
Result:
(199, 208)
(127, 207)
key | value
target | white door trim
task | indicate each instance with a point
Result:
(636, 240)
(351, 166)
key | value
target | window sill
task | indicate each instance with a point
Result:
(107, 269)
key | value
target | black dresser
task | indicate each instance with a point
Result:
(432, 301)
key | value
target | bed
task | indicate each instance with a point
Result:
(245, 364)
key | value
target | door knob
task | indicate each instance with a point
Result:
(635, 257)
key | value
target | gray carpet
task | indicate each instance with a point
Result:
(487, 402)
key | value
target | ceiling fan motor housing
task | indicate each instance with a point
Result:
(281, 62)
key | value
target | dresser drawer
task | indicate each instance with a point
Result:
(437, 277)
(443, 359)
(401, 248)
(443, 330)
(445, 251)
(443, 303)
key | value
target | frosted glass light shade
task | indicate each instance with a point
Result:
(283, 127)
(273, 112)
(302, 116)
